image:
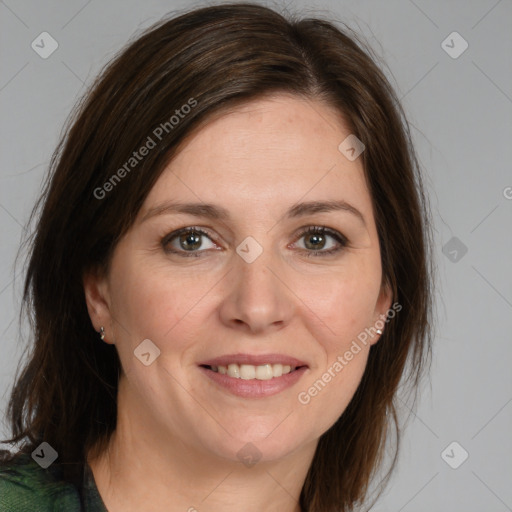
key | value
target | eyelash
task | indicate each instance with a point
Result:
(311, 230)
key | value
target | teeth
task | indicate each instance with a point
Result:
(251, 372)
(277, 369)
(247, 371)
(264, 372)
(234, 371)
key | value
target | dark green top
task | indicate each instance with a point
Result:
(27, 487)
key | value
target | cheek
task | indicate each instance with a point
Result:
(348, 309)
(151, 302)
(342, 306)
(142, 304)
(347, 312)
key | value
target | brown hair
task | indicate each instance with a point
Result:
(217, 57)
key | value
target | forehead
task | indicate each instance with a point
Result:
(268, 153)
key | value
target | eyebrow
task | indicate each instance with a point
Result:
(211, 211)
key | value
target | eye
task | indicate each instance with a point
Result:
(187, 242)
(190, 241)
(316, 241)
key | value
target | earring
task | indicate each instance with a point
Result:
(102, 333)
(378, 331)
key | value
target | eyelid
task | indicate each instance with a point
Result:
(323, 230)
(306, 230)
(187, 229)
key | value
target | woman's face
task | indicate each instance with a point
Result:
(250, 294)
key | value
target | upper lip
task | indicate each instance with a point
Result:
(255, 360)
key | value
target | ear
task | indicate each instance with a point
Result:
(97, 298)
(382, 307)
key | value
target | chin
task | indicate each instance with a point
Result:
(251, 442)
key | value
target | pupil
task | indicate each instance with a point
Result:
(190, 241)
(317, 238)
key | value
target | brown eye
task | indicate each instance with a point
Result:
(314, 241)
(317, 241)
(187, 240)
(190, 241)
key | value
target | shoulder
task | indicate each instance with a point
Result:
(24, 485)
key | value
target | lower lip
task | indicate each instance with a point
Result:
(255, 388)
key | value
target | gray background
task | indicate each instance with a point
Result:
(461, 111)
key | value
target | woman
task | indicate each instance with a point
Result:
(229, 277)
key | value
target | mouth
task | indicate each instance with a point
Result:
(265, 371)
(254, 376)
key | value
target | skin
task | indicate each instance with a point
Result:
(178, 433)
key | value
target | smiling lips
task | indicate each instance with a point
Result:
(254, 376)
(248, 367)
(249, 371)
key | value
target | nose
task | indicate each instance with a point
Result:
(257, 298)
